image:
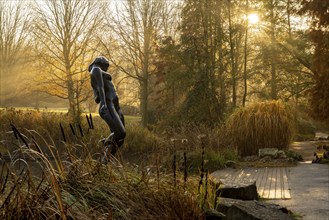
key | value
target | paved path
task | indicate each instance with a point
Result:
(303, 189)
(309, 189)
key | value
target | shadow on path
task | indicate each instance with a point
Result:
(309, 189)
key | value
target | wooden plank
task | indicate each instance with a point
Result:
(286, 192)
(278, 193)
(267, 185)
(272, 183)
(263, 182)
(257, 177)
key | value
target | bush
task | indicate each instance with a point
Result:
(198, 141)
(260, 125)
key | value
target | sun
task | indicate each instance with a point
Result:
(253, 18)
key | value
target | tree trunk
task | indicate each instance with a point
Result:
(245, 57)
(144, 101)
(289, 17)
(273, 55)
(233, 60)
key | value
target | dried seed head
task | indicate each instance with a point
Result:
(202, 136)
(184, 141)
(173, 140)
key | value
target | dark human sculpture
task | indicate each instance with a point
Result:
(109, 109)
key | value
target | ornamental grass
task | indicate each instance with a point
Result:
(260, 125)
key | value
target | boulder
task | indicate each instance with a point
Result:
(255, 210)
(224, 204)
(244, 190)
(280, 154)
(272, 152)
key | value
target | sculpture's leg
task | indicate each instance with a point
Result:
(112, 118)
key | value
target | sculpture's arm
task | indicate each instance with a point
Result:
(96, 96)
(98, 85)
(118, 110)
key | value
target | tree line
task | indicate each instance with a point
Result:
(179, 61)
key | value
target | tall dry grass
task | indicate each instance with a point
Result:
(51, 179)
(35, 187)
(260, 125)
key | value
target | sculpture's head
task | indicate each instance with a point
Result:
(101, 62)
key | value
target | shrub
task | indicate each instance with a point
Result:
(213, 160)
(260, 125)
(199, 142)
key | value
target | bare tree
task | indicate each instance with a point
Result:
(14, 21)
(65, 30)
(136, 26)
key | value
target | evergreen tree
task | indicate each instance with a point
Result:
(198, 44)
(319, 35)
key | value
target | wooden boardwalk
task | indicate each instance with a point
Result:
(271, 182)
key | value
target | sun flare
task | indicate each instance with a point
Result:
(253, 18)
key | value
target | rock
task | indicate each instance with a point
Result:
(254, 210)
(246, 190)
(267, 152)
(275, 206)
(225, 203)
(266, 159)
(212, 214)
(280, 154)
(252, 158)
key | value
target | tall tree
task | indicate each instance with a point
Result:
(200, 45)
(136, 25)
(245, 53)
(64, 30)
(234, 42)
(271, 4)
(319, 35)
(14, 21)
